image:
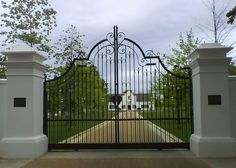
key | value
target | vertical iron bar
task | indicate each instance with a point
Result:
(160, 97)
(110, 91)
(155, 103)
(74, 110)
(133, 103)
(165, 104)
(107, 98)
(168, 122)
(122, 112)
(63, 125)
(53, 111)
(102, 101)
(90, 103)
(146, 98)
(126, 88)
(50, 106)
(191, 100)
(142, 106)
(66, 106)
(94, 96)
(177, 102)
(172, 121)
(151, 99)
(57, 110)
(45, 107)
(116, 83)
(184, 122)
(86, 102)
(83, 120)
(98, 94)
(78, 99)
(129, 100)
(180, 109)
(139, 107)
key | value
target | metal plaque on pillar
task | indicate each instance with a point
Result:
(214, 99)
(20, 102)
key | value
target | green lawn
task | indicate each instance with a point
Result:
(62, 129)
(169, 122)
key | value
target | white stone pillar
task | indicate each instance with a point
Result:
(212, 128)
(232, 95)
(3, 102)
(23, 134)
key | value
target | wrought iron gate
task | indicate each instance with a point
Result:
(118, 97)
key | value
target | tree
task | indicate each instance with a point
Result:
(68, 47)
(231, 15)
(216, 28)
(2, 67)
(30, 21)
(184, 47)
(232, 68)
(81, 84)
(174, 88)
(79, 92)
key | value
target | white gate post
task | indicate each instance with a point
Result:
(23, 131)
(212, 124)
(3, 101)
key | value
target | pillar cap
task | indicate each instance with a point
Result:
(210, 51)
(23, 53)
(211, 45)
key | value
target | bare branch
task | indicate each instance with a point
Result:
(217, 26)
(205, 32)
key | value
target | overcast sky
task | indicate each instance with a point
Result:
(153, 24)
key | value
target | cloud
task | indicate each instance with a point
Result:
(154, 24)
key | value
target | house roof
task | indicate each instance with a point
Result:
(140, 96)
(111, 95)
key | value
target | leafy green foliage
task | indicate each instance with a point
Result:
(232, 68)
(52, 72)
(30, 21)
(174, 88)
(68, 47)
(78, 93)
(2, 67)
(184, 47)
(231, 15)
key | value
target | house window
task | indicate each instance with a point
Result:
(129, 98)
(123, 106)
(144, 106)
(134, 106)
(112, 106)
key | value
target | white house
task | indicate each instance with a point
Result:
(133, 101)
